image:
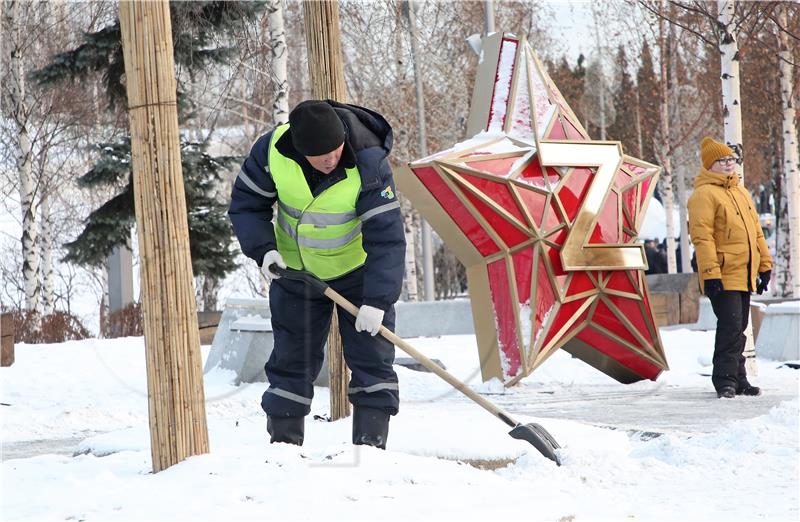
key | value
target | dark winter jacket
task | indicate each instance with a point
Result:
(368, 142)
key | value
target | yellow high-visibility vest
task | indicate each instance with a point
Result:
(319, 234)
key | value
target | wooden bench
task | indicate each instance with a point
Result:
(674, 298)
(6, 339)
(208, 322)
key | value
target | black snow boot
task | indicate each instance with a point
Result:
(726, 392)
(286, 429)
(745, 388)
(370, 427)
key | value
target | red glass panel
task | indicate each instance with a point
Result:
(572, 132)
(506, 75)
(574, 191)
(566, 311)
(580, 283)
(523, 271)
(534, 202)
(532, 173)
(606, 230)
(630, 308)
(456, 210)
(552, 218)
(619, 281)
(557, 131)
(505, 313)
(619, 353)
(645, 188)
(499, 167)
(497, 192)
(636, 170)
(510, 234)
(621, 178)
(630, 203)
(545, 299)
(555, 260)
(604, 317)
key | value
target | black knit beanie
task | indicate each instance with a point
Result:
(315, 128)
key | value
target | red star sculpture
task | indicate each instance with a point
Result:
(545, 221)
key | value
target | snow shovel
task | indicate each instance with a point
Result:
(534, 433)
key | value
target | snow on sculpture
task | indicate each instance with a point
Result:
(545, 221)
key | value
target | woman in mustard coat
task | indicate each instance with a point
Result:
(732, 260)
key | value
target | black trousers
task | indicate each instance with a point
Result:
(732, 309)
(301, 318)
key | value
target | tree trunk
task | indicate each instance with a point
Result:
(729, 57)
(666, 149)
(210, 291)
(427, 235)
(48, 278)
(412, 293)
(20, 114)
(327, 81)
(683, 215)
(783, 239)
(172, 340)
(791, 162)
(639, 146)
(278, 59)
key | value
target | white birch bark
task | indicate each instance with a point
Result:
(412, 291)
(680, 172)
(47, 244)
(666, 152)
(732, 123)
(783, 242)
(791, 163)
(278, 60)
(20, 114)
(731, 100)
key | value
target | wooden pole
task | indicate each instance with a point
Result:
(327, 82)
(172, 343)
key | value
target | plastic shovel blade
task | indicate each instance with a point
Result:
(539, 437)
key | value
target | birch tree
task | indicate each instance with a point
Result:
(278, 59)
(665, 147)
(731, 99)
(20, 112)
(790, 261)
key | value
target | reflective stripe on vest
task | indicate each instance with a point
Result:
(320, 234)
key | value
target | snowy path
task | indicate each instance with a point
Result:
(664, 409)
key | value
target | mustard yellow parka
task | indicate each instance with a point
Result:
(726, 232)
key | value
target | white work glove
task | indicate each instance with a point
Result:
(273, 256)
(369, 318)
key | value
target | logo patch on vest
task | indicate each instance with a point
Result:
(387, 192)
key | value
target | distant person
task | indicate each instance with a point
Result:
(732, 260)
(656, 263)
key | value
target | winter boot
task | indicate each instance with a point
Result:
(726, 392)
(370, 427)
(286, 429)
(745, 388)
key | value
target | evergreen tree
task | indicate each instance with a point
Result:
(624, 126)
(196, 28)
(647, 87)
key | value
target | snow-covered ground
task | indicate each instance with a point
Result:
(447, 459)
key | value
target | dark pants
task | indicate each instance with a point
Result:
(301, 318)
(732, 309)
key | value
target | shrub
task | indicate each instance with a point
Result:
(126, 322)
(30, 327)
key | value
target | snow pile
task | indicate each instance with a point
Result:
(447, 459)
